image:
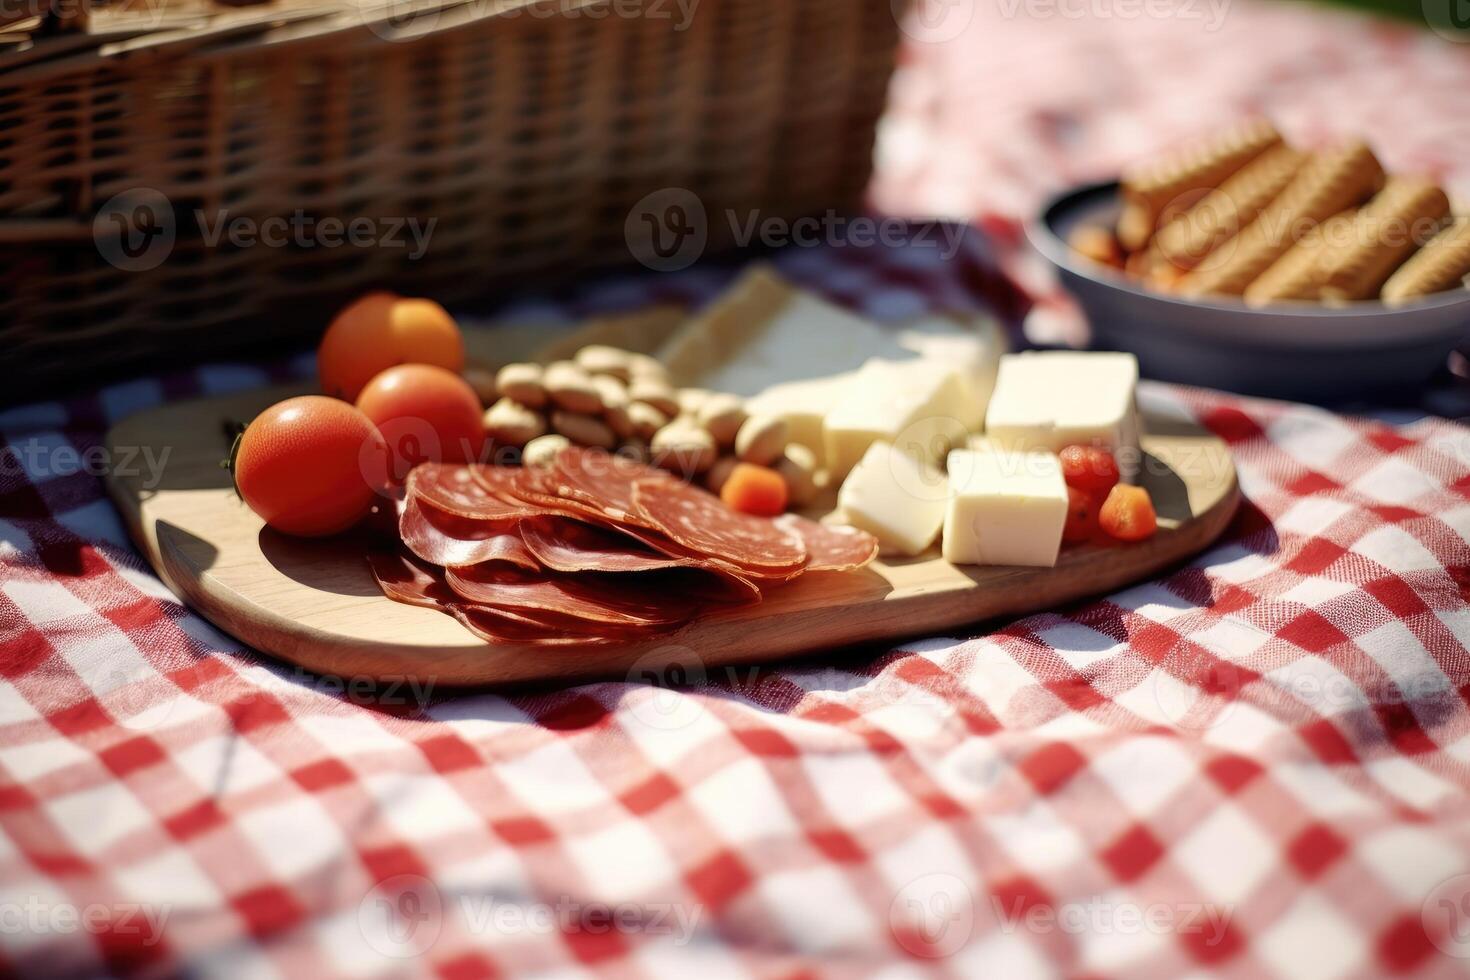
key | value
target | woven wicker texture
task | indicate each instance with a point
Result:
(524, 134)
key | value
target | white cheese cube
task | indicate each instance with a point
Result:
(1004, 508)
(898, 499)
(915, 405)
(1054, 399)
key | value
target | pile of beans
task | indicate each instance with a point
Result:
(618, 400)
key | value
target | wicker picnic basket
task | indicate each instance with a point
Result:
(525, 131)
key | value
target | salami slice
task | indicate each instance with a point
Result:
(454, 490)
(566, 545)
(700, 521)
(404, 579)
(441, 538)
(501, 626)
(830, 547)
(603, 480)
(608, 599)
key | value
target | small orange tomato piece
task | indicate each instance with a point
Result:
(426, 414)
(1128, 514)
(1081, 517)
(753, 489)
(1090, 469)
(304, 465)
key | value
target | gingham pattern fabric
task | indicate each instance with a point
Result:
(1256, 765)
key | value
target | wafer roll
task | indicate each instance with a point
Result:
(1390, 228)
(1328, 183)
(1150, 188)
(1443, 263)
(1227, 209)
(1298, 275)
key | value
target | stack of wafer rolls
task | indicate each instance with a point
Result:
(1246, 214)
(1150, 189)
(1443, 263)
(1330, 182)
(1297, 275)
(1224, 211)
(1354, 253)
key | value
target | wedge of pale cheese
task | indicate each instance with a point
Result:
(1053, 399)
(1004, 508)
(917, 406)
(764, 331)
(895, 497)
(792, 354)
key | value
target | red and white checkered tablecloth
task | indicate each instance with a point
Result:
(1256, 765)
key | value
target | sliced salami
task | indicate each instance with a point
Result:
(403, 579)
(566, 545)
(501, 626)
(603, 480)
(609, 599)
(830, 547)
(700, 521)
(441, 538)
(455, 490)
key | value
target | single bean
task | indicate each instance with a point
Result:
(571, 388)
(584, 430)
(761, 439)
(512, 423)
(541, 450)
(522, 383)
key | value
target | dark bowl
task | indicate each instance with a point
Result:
(1293, 350)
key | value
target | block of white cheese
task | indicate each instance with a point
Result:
(1004, 508)
(897, 498)
(1053, 399)
(917, 406)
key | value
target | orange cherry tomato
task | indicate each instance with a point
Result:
(303, 465)
(1090, 469)
(753, 489)
(426, 414)
(1081, 516)
(1128, 514)
(379, 330)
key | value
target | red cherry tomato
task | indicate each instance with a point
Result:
(1128, 514)
(1081, 516)
(426, 414)
(303, 465)
(1090, 469)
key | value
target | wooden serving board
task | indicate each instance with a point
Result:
(314, 603)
